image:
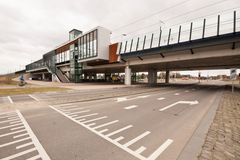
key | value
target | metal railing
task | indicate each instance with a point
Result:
(207, 27)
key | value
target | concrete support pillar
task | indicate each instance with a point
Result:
(152, 77)
(167, 76)
(43, 76)
(127, 75)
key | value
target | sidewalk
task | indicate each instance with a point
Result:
(223, 138)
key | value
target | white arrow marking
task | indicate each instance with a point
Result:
(180, 102)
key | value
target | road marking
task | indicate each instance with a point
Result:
(19, 154)
(13, 142)
(10, 99)
(179, 102)
(106, 124)
(79, 112)
(140, 150)
(159, 151)
(9, 120)
(162, 98)
(9, 116)
(136, 139)
(37, 144)
(121, 99)
(11, 133)
(21, 135)
(119, 139)
(107, 138)
(11, 126)
(91, 124)
(104, 130)
(8, 113)
(13, 117)
(187, 91)
(15, 122)
(12, 129)
(33, 97)
(72, 109)
(94, 119)
(177, 94)
(119, 130)
(24, 145)
(34, 158)
(88, 115)
(131, 107)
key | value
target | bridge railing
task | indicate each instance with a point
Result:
(199, 29)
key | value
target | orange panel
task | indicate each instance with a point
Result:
(113, 57)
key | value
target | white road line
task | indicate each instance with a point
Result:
(37, 144)
(96, 119)
(136, 139)
(106, 124)
(80, 120)
(8, 113)
(10, 99)
(34, 158)
(119, 139)
(91, 124)
(103, 136)
(13, 117)
(20, 135)
(24, 145)
(13, 142)
(72, 109)
(104, 130)
(79, 112)
(88, 115)
(131, 107)
(122, 99)
(11, 126)
(33, 97)
(187, 91)
(11, 133)
(119, 130)
(179, 102)
(140, 150)
(19, 154)
(158, 152)
(64, 105)
(15, 122)
(176, 94)
(12, 129)
(9, 120)
(162, 98)
(9, 116)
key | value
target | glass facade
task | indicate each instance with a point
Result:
(88, 45)
(63, 57)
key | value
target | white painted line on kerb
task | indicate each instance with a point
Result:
(131, 107)
(157, 153)
(10, 99)
(19, 154)
(106, 124)
(136, 139)
(11, 133)
(119, 130)
(24, 145)
(96, 119)
(37, 144)
(162, 98)
(33, 97)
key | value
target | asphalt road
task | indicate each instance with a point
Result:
(149, 126)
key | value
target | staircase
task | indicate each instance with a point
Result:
(61, 76)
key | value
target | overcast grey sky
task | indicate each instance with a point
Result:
(30, 28)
